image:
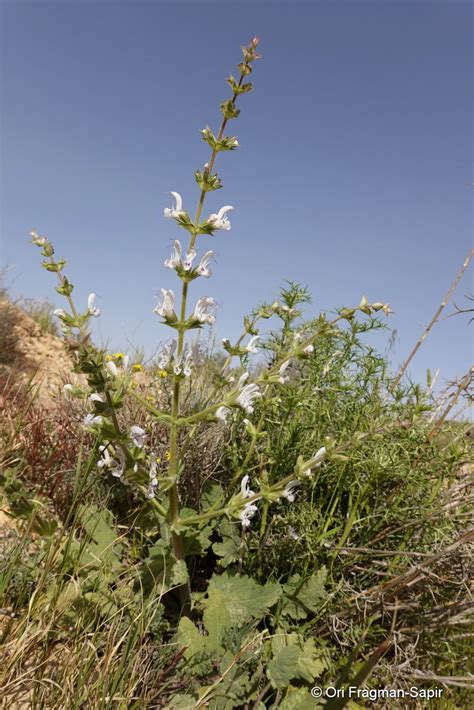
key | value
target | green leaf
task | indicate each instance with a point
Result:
(229, 548)
(196, 652)
(298, 699)
(300, 599)
(217, 619)
(245, 599)
(294, 660)
(103, 545)
(283, 667)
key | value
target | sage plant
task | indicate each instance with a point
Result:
(121, 448)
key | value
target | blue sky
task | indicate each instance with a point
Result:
(354, 174)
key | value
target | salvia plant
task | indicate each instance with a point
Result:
(122, 449)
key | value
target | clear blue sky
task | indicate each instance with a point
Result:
(354, 174)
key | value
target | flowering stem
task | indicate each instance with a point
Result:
(173, 468)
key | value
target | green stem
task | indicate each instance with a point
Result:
(173, 468)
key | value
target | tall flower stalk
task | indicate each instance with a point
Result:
(208, 182)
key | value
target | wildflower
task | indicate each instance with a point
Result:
(204, 311)
(162, 373)
(68, 387)
(175, 259)
(245, 490)
(111, 367)
(251, 345)
(308, 349)
(166, 353)
(316, 461)
(153, 484)
(137, 367)
(165, 308)
(203, 268)
(289, 492)
(188, 262)
(177, 209)
(219, 220)
(119, 468)
(167, 455)
(247, 397)
(177, 364)
(92, 420)
(59, 313)
(137, 435)
(188, 363)
(96, 397)
(91, 307)
(281, 372)
(243, 378)
(247, 514)
(105, 460)
(36, 239)
(222, 413)
(319, 456)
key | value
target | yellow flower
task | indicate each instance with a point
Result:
(137, 367)
(109, 358)
(119, 356)
(167, 455)
(162, 373)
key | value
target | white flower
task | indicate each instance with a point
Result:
(289, 492)
(188, 363)
(111, 367)
(316, 461)
(319, 456)
(106, 460)
(177, 364)
(166, 354)
(91, 420)
(91, 307)
(282, 377)
(117, 472)
(59, 313)
(219, 220)
(251, 347)
(96, 397)
(247, 397)
(36, 239)
(204, 311)
(68, 387)
(247, 514)
(203, 268)
(188, 262)
(308, 349)
(153, 480)
(177, 209)
(175, 258)
(222, 413)
(175, 261)
(243, 378)
(137, 435)
(165, 308)
(245, 490)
